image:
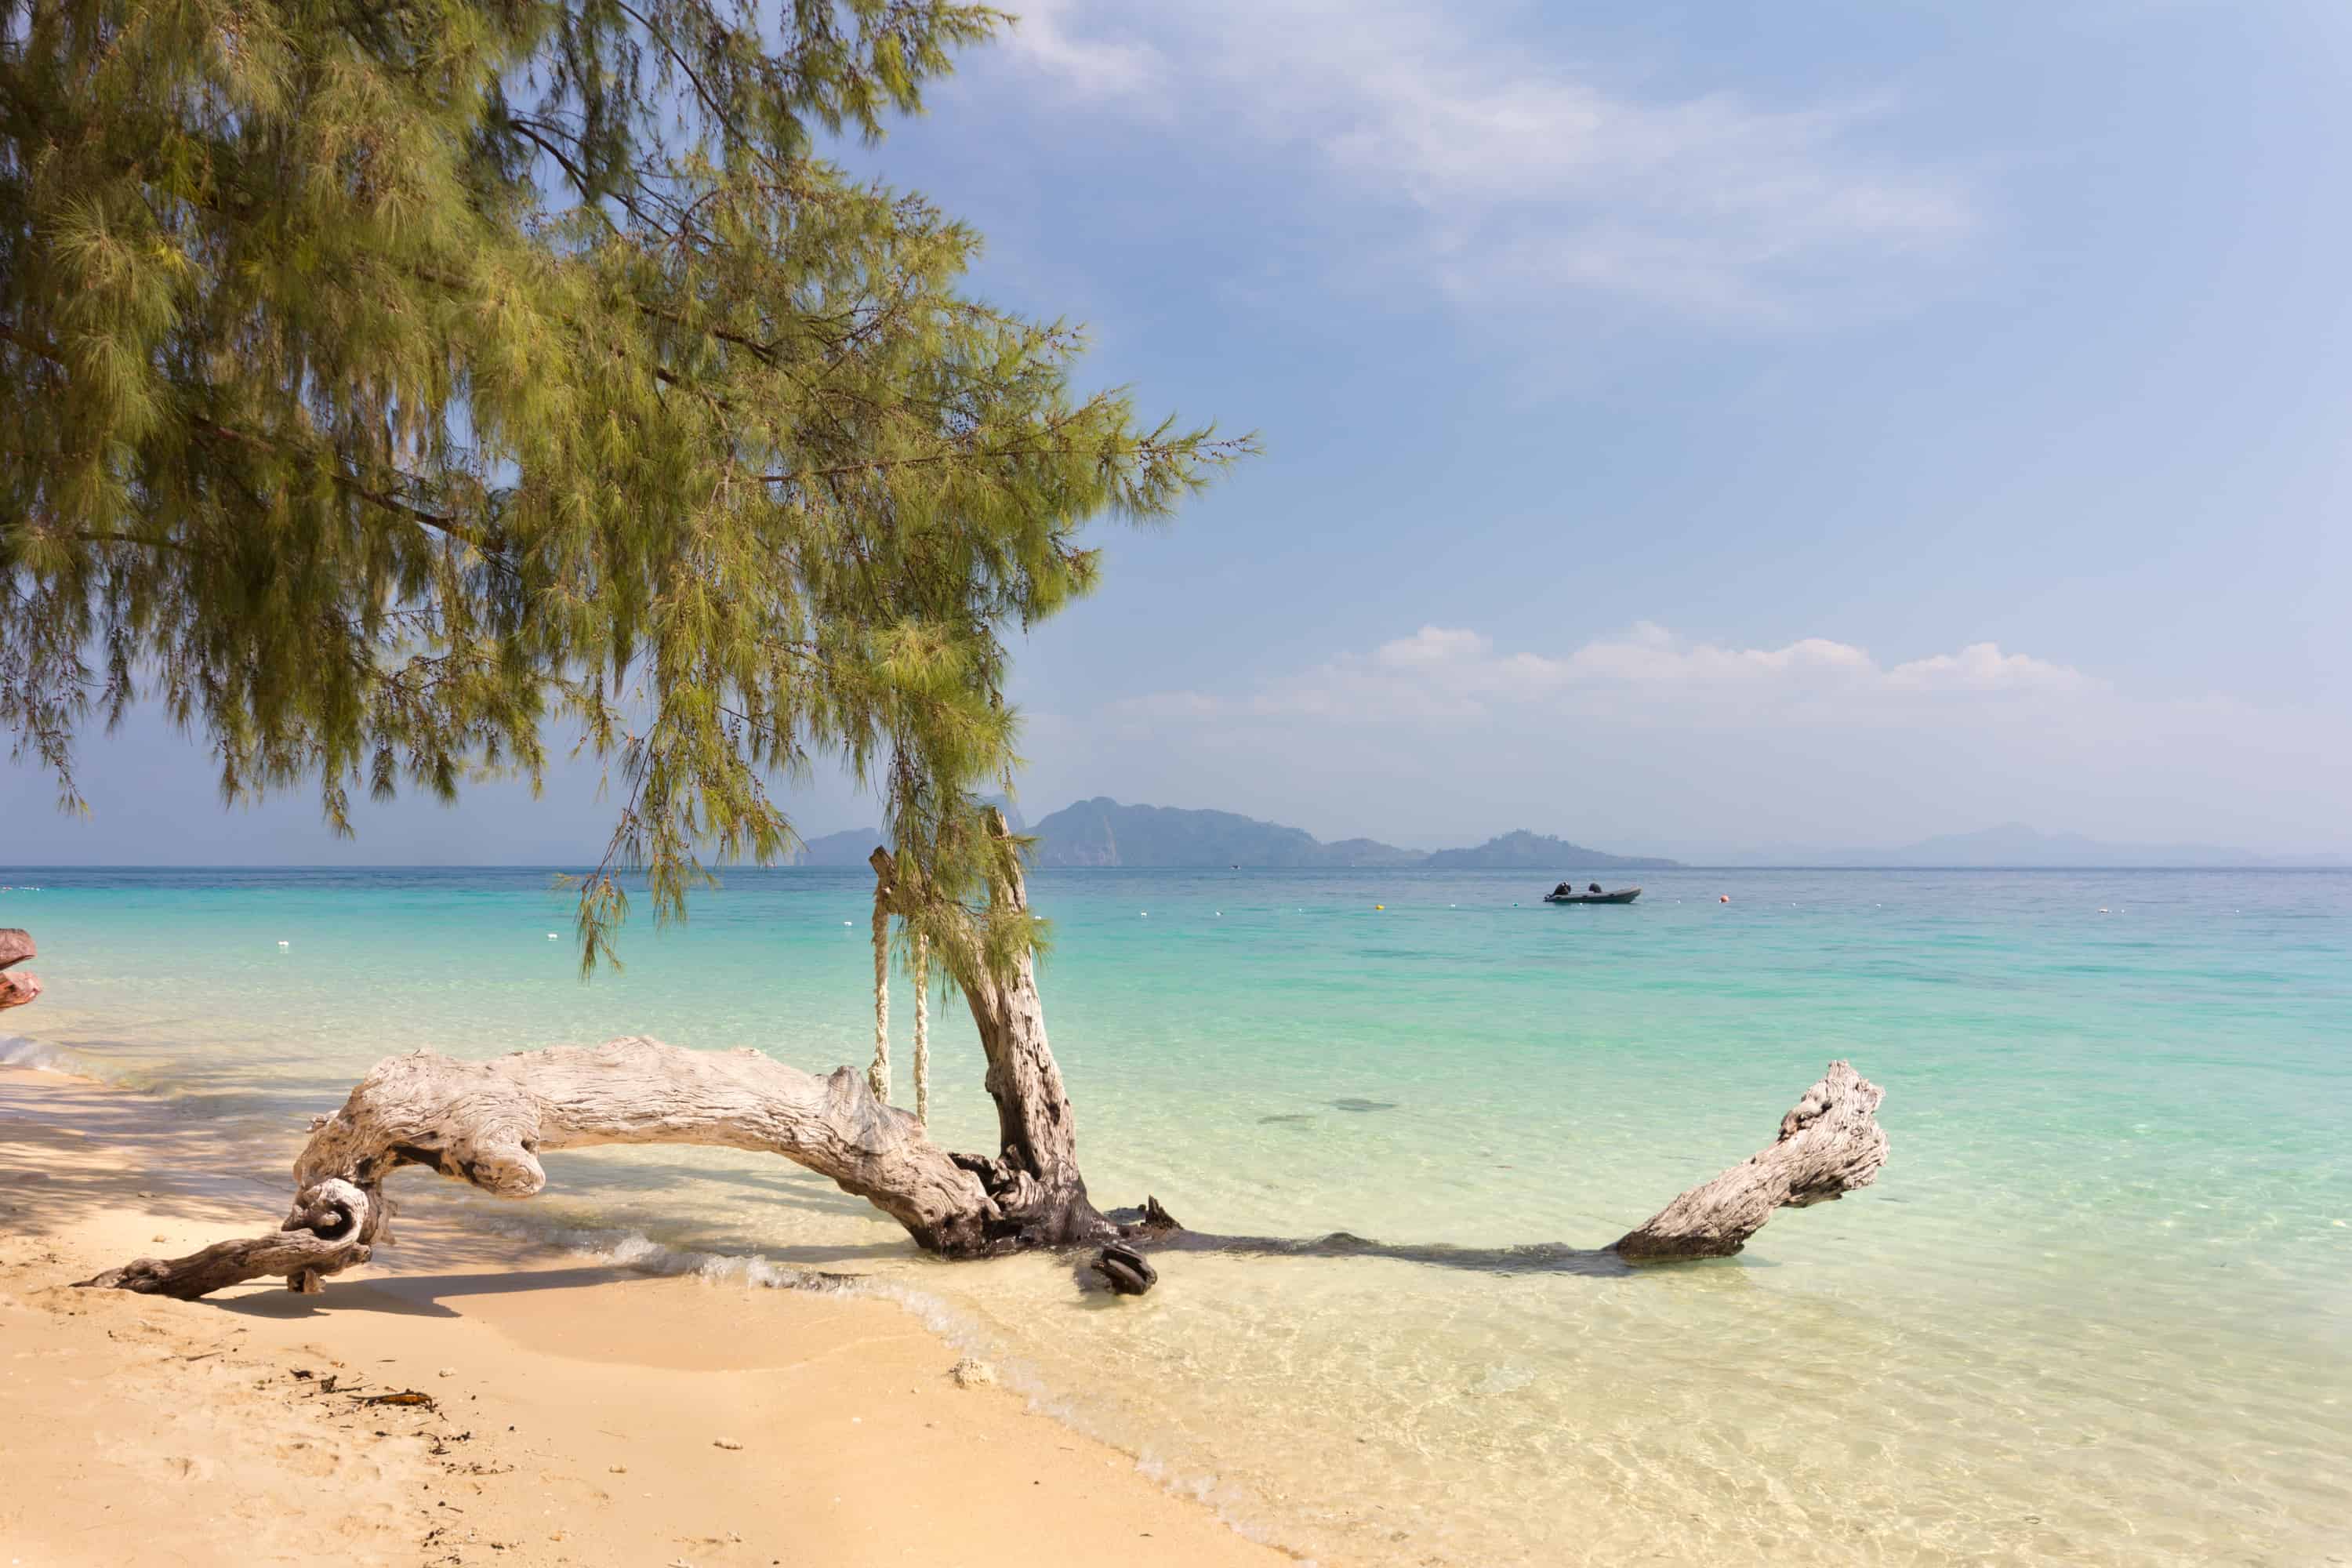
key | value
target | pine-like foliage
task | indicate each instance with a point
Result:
(383, 385)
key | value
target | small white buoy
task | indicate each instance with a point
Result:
(1221, 915)
(1143, 915)
(282, 944)
(551, 936)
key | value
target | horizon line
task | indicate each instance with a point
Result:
(1437, 870)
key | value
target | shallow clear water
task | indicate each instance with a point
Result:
(2098, 1310)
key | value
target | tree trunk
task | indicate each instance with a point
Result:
(1034, 1181)
(15, 990)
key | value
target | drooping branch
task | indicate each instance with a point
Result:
(1829, 1145)
(922, 977)
(15, 990)
(877, 1077)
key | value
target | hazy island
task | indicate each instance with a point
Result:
(1102, 832)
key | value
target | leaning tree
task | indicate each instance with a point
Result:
(384, 387)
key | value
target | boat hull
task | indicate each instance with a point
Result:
(1623, 896)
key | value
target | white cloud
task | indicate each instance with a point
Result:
(1645, 739)
(1983, 667)
(1440, 672)
(1506, 178)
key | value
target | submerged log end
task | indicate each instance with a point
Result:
(1829, 1145)
(1125, 1270)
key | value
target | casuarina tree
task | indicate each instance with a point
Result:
(391, 392)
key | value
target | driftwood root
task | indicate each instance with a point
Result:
(16, 990)
(322, 1236)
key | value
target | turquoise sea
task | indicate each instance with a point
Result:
(2098, 1310)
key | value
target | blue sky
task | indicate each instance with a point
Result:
(1688, 426)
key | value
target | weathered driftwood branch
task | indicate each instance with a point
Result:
(1829, 1145)
(15, 990)
(322, 1236)
(487, 1123)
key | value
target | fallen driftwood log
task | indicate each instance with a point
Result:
(487, 1122)
(15, 990)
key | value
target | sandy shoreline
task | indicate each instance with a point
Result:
(582, 1413)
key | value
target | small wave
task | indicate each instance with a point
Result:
(24, 1051)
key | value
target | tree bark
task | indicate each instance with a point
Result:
(1829, 1145)
(1034, 1181)
(15, 990)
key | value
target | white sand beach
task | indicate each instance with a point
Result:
(580, 1412)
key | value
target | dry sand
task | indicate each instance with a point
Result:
(579, 1414)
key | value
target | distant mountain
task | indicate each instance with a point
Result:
(1368, 852)
(2016, 845)
(852, 847)
(849, 849)
(1524, 851)
(1102, 832)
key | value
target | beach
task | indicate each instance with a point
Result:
(580, 1412)
(2092, 1311)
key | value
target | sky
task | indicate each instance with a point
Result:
(1686, 428)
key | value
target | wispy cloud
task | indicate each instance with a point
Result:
(1458, 676)
(1643, 737)
(1047, 41)
(1508, 178)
